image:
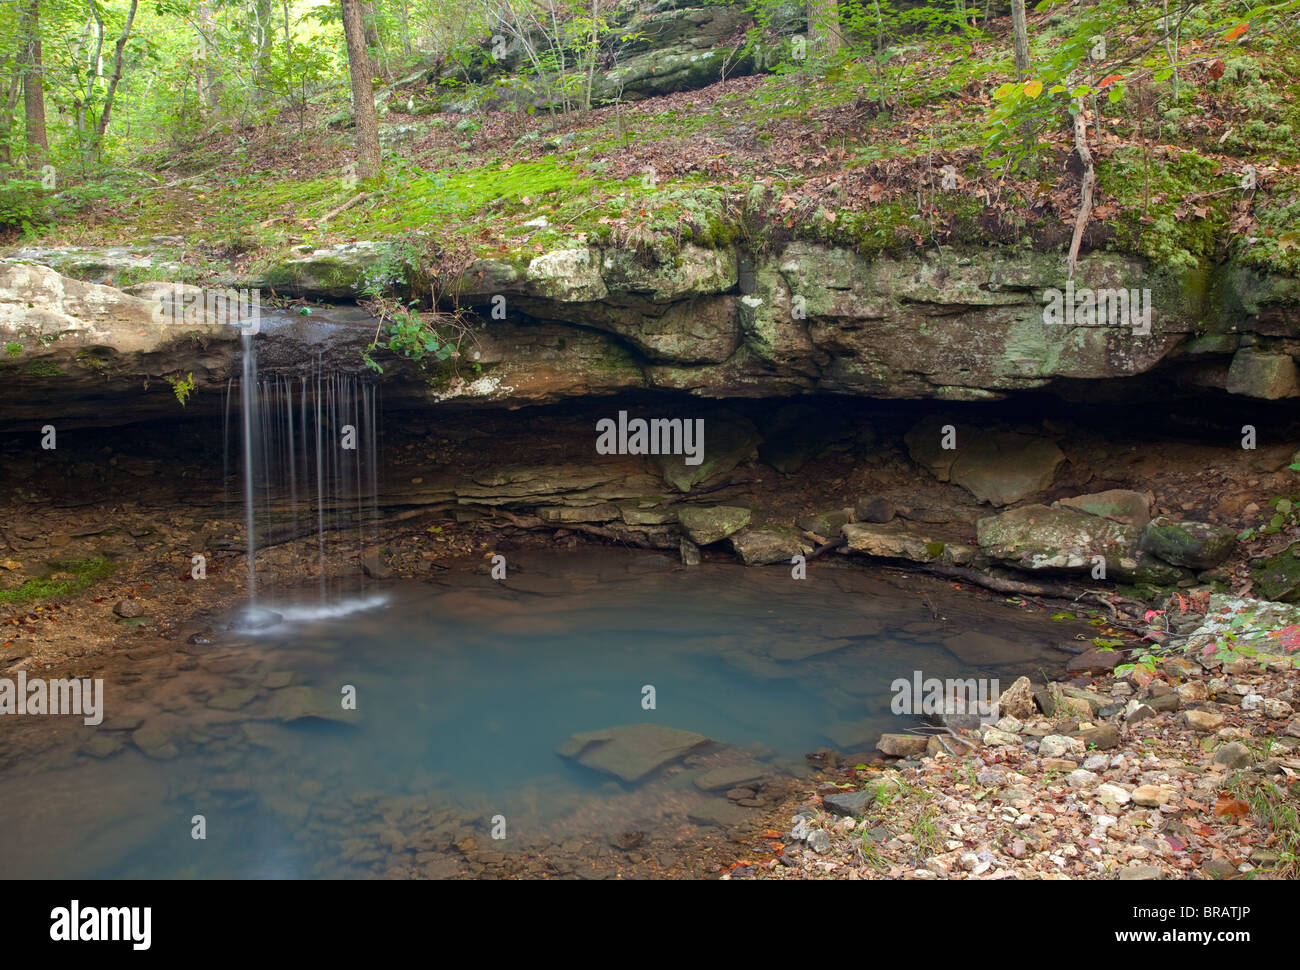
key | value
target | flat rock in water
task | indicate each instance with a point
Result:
(849, 734)
(984, 650)
(295, 703)
(729, 776)
(630, 752)
(805, 648)
(232, 700)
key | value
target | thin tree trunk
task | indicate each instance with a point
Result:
(363, 94)
(375, 43)
(264, 34)
(209, 84)
(1021, 29)
(117, 77)
(38, 145)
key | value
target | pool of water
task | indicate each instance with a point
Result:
(465, 693)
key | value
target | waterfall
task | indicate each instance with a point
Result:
(309, 439)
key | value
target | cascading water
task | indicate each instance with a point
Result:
(306, 436)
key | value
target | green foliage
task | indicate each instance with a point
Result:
(22, 204)
(83, 573)
(181, 386)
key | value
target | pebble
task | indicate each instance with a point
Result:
(1082, 779)
(1203, 720)
(1055, 745)
(1114, 794)
(1151, 796)
(1233, 755)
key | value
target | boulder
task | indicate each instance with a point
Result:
(998, 467)
(712, 524)
(1035, 537)
(764, 547)
(1193, 545)
(1261, 375)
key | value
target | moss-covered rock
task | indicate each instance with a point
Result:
(713, 524)
(1278, 577)
(1193, 545)
(1036, 537)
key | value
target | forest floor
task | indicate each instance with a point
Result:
(757, 160)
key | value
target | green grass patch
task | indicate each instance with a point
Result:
(84, 573)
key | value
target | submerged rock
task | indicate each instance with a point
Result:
(296, 703)
(729, 776)
(232, 700)
(155, 743)
(630, 752)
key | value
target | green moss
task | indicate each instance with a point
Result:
(43, 368)
(85, 573)
(13, 350)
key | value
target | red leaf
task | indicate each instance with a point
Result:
(1236, 31)
(1216, 69)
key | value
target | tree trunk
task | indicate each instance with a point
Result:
(117, 76)
(1021, 29)
(375, 43)
(38, 145)
(363, 94)
(823, 28)
(209, 85)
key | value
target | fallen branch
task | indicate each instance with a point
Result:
(346, 205)
(1085, 190)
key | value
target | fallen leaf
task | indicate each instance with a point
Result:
(1228, 805)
